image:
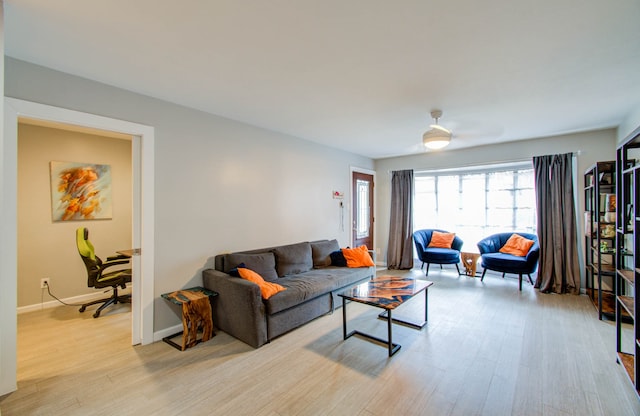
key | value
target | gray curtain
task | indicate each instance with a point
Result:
(558, 270)
(400, 248)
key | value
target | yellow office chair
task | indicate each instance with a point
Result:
(96, 275)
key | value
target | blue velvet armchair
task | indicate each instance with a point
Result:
(440, 256)
(492, 259)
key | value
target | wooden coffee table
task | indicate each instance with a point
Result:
(388, 293)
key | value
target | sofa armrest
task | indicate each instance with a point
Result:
(373, 255)
(238, 309)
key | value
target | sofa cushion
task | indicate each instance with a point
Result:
(314, 283)
(293, 259)
(267, 289)
(262, 263)
(321, 252)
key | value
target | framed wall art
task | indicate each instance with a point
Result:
(80, 191)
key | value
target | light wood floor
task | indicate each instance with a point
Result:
(487, 350)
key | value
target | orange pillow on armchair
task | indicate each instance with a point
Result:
(517, 245)
(441, 240)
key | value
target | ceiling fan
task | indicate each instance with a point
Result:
(437, 137)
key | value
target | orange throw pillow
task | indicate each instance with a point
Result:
(267, 289)
(358, 257)
(517, 245)
(441, 240)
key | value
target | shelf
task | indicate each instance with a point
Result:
(627, 199)
(628, 362)
(628, 275)
(600, 197)
(629, 304)
(607, 269)
(608, 302)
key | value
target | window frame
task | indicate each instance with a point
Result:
(516, 169)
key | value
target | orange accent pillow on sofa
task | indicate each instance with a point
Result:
(517, 245)
(358, 257)
(267, 289)
(441, 240)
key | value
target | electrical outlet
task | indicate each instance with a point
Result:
(44, 283)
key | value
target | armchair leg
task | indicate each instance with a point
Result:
(458, 269)
(427, 272)
(520, 281)
(422, 265)
(483, 272)
(530, 280)
(503, 273)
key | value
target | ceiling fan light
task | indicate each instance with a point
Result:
(436, 139)
(439, 127)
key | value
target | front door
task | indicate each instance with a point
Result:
(362, 227)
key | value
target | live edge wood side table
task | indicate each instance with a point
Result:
(470, 262)
(196, 314)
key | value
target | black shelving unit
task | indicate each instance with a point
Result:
(628, 255)
(600, 237)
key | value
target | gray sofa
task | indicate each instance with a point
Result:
(304, 269)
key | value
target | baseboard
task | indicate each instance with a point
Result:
(163, 333)
(53, 303)
(73, 300)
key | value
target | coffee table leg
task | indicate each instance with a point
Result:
(389, 333)
(344, 319)
(426, 304)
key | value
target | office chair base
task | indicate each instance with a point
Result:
(106, 302)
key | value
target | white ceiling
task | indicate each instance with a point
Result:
(360, 75)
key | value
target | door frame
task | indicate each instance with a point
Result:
(373, 210)
(142, 219)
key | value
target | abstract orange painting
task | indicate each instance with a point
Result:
(80, 191)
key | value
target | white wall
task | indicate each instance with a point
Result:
(53, 243)
(630, 123)
(593, 146)
(8, 302)
(221, 185)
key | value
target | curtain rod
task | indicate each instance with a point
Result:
(486, 165)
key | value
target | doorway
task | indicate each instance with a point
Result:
(362, 213)
(142, 220)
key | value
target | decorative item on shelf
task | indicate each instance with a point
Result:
(605, 178)
(608, 230)
(587, 223)
(610, 207)
(611, 203)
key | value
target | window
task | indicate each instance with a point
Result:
(476, 202)
(362, 219)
